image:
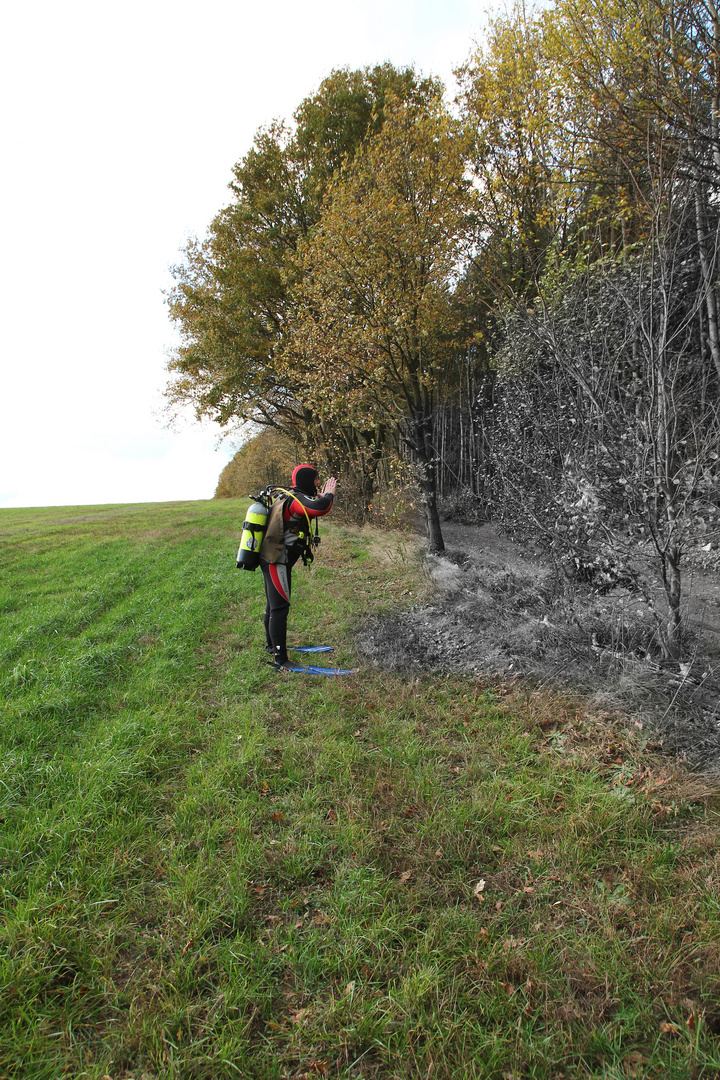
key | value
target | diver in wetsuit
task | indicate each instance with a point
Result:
(298, 510)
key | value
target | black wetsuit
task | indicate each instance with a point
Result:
(278, 575)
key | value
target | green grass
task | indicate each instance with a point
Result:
(209, 870)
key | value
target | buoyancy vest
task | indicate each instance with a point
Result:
(274, 546)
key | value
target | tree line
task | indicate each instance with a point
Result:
(513, 297)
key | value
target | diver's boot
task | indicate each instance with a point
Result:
(280, 659)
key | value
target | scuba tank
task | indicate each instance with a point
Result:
(255, 527)
(253, 533)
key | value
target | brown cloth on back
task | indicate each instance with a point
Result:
(272, 548)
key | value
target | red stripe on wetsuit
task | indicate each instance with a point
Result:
(275, 578)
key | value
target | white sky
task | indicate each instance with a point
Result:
(120, 127)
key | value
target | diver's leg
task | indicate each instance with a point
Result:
(277, 585)
(266, 613)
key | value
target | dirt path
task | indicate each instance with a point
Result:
(498, 609)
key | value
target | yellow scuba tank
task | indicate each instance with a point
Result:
(253, 534)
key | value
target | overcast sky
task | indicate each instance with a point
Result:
(121, 125)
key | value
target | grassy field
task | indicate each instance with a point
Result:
(210, 870)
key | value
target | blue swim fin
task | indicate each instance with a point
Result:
(310, 648)
(312, 670)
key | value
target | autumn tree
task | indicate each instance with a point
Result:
(373, 329)
(268, 457)
(514, 121)
(595, 145)
(642, 87)
(606, 430)
(230, 299)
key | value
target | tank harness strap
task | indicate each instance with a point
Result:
(307, 554)
(307, 516)
(253, 527)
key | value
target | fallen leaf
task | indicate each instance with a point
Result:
(496, 848)
(277, 815)
(528, 888)
(438, 854)
(298, 1015)
(509, 989)
(634, 1063)
(273, 1026)
(405, 877)
(690, 1022)
(483, 931)
(264, 788)
(669, 1029)
(349, 988)
(321, 1067)
(331, 815)
(480, 887)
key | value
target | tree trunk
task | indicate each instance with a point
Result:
(715, 108)
(707, 261)
(422, 446)
(367, 492)
(443, 418)
(436, 544)
(671, 581)
(472, 436)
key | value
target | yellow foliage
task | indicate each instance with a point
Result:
(267, 458)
